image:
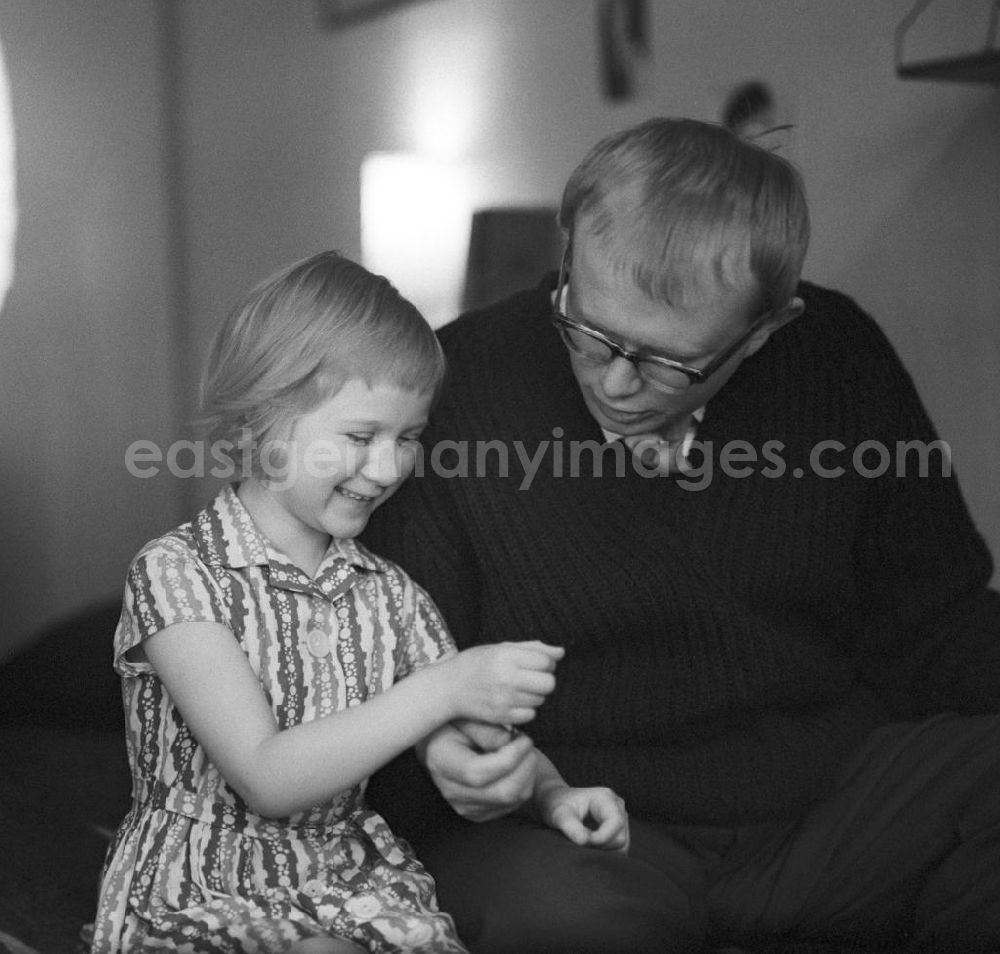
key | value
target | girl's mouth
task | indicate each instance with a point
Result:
(351, 495)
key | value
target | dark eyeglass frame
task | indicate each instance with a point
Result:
(694, 375)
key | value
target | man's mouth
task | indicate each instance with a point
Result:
(622, 414)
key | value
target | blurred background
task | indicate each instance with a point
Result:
(170, 153)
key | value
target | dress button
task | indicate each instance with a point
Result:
(318, 643)
(314, 888)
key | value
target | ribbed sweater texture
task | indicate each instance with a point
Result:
(732, 633)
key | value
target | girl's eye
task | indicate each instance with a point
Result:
(409, 441)
(363, 439)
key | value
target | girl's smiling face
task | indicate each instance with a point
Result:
(342, 460)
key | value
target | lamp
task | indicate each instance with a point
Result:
(415, 215)
(8, 194)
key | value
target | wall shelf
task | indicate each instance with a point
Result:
(981, 67)
(975, 68)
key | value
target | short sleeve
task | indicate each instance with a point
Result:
(425, 637)
(166, 584)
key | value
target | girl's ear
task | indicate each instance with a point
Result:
(777, 319)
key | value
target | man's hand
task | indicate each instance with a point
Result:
(479, 786)
(589, 817)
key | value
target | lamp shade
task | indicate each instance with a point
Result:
(510, 248)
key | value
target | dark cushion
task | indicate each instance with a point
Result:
(63, 793)
(65, 677)
(64, 780)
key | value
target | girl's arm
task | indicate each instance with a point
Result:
(277, 772)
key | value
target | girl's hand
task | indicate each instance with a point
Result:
(501, 683)
(486, 736)
(589, 817)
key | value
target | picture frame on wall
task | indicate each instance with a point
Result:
(340, 13)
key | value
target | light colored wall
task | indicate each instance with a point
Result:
(278, 113)
(903, 176)
(85, 344)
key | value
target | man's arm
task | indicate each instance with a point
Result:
(927, 633)
(929, 636)
(479, 784)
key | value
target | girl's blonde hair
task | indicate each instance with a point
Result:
(678, 201)
(298, 337)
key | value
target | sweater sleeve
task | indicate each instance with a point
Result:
(420, 530)
(928, 633)
(429, 527)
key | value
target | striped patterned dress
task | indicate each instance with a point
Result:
(192, 868)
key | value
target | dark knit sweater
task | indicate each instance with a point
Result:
(732, 634)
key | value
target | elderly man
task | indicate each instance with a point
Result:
(716, 487)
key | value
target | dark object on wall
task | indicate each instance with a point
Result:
(341, 13)
(509, 250)
(748, 105)
(623, 35)
(979, 67)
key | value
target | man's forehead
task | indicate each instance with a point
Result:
(683, 274)
(624, 313)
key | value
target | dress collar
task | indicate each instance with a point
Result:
(226, 535)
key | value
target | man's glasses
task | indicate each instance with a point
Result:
(664, 374)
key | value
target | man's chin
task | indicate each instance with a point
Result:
(628, 424)
(646, 424)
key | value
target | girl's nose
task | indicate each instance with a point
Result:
(384, 464)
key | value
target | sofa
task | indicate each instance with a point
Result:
(64, 786)
(64, 781)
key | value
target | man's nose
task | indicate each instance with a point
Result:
(620, 378)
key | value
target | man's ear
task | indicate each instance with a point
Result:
(790, 312)
(774, 321)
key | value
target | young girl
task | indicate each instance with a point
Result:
(263, 652)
